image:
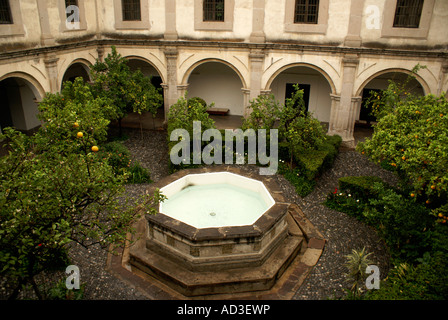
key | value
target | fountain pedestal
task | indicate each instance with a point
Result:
(228, 259)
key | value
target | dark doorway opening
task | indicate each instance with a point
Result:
(5, 112)
(306, 93)
(366, 108)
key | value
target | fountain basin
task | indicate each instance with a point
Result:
(237, 255)
(217, 199)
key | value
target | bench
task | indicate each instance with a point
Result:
(218, 111)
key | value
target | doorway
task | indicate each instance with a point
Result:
(306, 93)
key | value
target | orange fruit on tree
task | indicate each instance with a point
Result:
(79, 134)
(433, 187)
(76, 124)
(412, 195)
(94, 148)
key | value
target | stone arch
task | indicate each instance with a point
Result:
(316, 83)
(65, 63)
(217, 60)
(36, 87)
(216, 81)
(377, 74)
(77, 68)
(301, 64)
(150, 63)
(21, 94)
(379, 81)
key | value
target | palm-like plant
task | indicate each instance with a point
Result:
(357, 262)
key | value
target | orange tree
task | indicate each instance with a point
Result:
(56, 189)
(411, 138)
(127, 90)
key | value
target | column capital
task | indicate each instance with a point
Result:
(100, 52)
(350, 60)
(51, 61)
(445, 66)
(182, 86)
(335, 97)
(257, 55)
(171, 52)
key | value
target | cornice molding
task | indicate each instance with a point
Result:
(259, 47)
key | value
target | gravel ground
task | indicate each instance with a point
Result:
(342, 232)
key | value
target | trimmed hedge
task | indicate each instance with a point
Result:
(361, 186)
(313, 162)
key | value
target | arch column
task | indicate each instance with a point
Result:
(246, 100)
(354, 111)
(170, 87)
(256, 61)
(443, 77)
(181, 90)
(51, 65)
(343, 109)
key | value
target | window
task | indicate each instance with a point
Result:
(213, 15)
(213, 10)
(131, 14)
(306, 16)
(131, 10)
(5, 12)
(306, 11)
(407, 13)
(410, 19)
(70, 3)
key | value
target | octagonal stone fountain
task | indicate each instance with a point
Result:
(219, 232)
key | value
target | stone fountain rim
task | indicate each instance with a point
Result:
(255, 230)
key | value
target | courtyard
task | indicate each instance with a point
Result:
(327, 280)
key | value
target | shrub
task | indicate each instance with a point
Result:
(195, 100)
(345, 202)
(313, 162)
(138, 174)
(357, 263)
(360, 187)
(411, 139)
(181, 116)
(55, 189)
(126, 90)
(60, 292)
(302, 185)
(116, 155)
(424, 281)
(402, 222)
(264, 112)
